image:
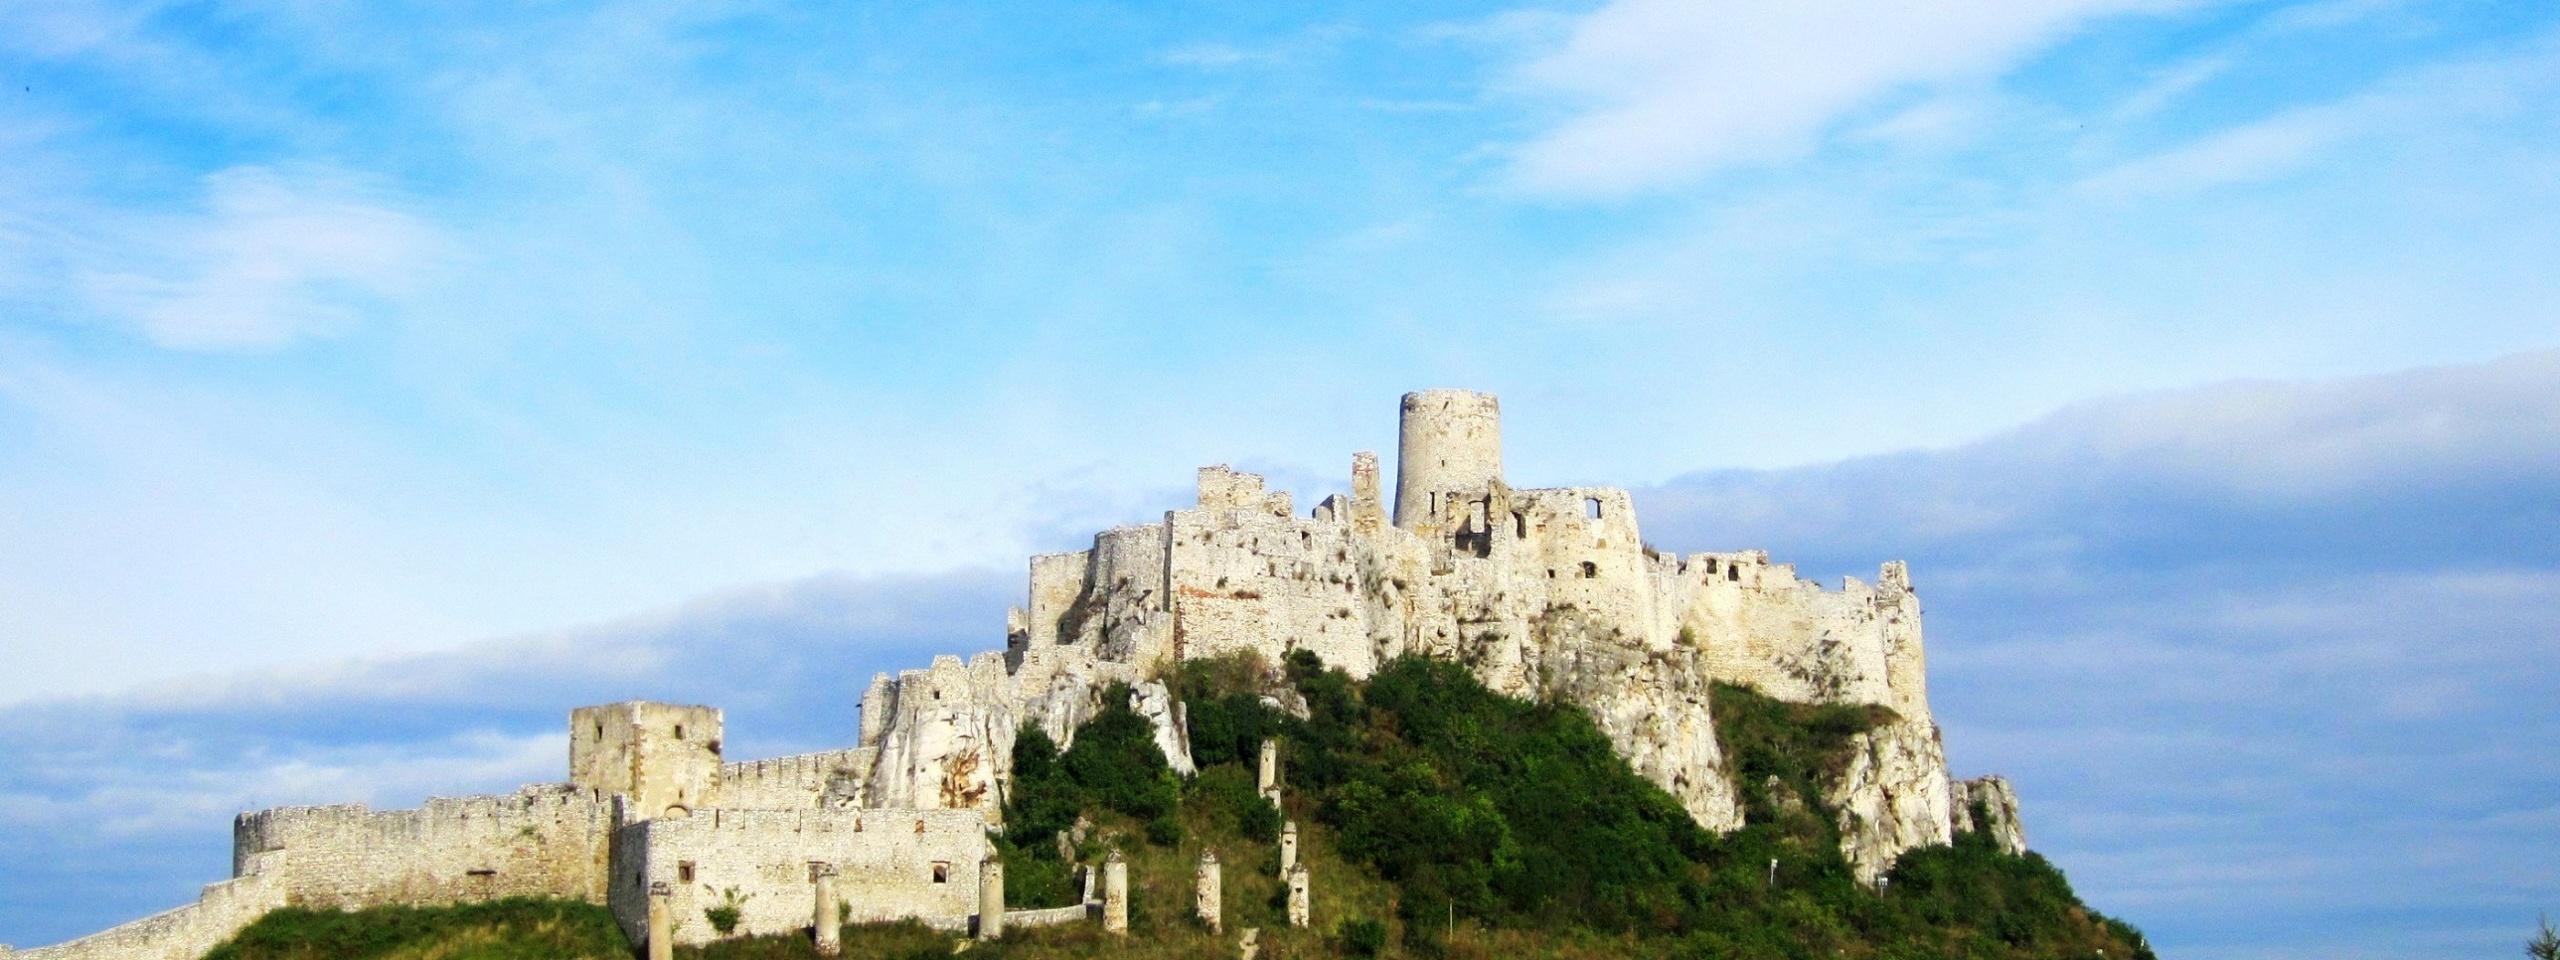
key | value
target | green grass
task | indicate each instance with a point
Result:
(514, 929)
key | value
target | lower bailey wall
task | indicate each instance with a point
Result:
(544, 841)
(885, 860)
(185, 933)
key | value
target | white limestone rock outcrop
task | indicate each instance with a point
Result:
(1893, 796)
(1997, 804)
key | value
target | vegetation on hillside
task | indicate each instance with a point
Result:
(515, 929)
(1440, 819)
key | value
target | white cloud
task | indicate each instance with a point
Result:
(1668, 91)
(273, 259)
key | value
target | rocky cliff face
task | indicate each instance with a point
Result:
(1892, 797)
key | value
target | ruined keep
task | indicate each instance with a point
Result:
(1540, 592)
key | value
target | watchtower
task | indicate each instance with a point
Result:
(1448, 455)
(664, 756)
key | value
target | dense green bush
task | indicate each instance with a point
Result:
(1114, 765)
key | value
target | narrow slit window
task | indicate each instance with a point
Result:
(1590, 570)
(1591, 508)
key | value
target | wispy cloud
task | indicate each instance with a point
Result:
(1662, 92)
(275, 257)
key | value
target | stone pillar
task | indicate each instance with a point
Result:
(1115, 894)
(1288, 846)
(990, 898)
(1249, 945)
(1298, 895)
(662, 937)
(824, 924)
(1209, 897)
(1268, 782)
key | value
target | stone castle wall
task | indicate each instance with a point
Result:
(805, 782)
(544, 841)
(890, 864)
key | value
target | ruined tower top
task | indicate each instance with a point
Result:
(1449, 443)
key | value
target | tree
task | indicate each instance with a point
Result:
(2545, 946)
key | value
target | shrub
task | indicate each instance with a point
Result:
(1364, 938)
(724, 915)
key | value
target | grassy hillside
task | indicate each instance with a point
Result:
(1438, 820)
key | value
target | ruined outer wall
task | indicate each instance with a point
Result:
(543, 841)
(885, 862)
(804, 782)
(185, 933)
(1246, 578)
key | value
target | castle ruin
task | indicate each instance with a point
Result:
(1541, 592)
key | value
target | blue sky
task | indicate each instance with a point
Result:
(339, 339)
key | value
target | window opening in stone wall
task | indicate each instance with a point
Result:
(679, 731)
(941, 872)
(1520, 525)
(1732, 572)
(599, 731)
(1590, 570)
(684, 871)
(1591, 508)
(1711, 565)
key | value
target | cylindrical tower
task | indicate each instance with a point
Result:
(1449, 441)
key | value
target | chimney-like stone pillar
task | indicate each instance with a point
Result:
(1268, 780)
(662, 937)
(1115, 894)
(1298, 896)
(1288, 846)
(990, 898)
(825, 925)
(1209, 896)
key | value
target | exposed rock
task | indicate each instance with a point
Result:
(1998, 804)
(1892, 796)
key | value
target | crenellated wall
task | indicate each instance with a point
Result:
(547, 841)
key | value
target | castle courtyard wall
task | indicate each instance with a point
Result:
(886, 864)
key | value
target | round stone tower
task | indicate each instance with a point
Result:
(1449, 442)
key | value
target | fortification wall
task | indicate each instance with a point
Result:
(1246, 578)
(1125, 614)
(806, 781)
(548, 841)
(890, 865)
(185, 933)
(1057, 579)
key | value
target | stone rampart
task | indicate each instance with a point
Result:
(890, 865)
(542, 841)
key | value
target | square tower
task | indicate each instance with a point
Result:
(664, 756)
